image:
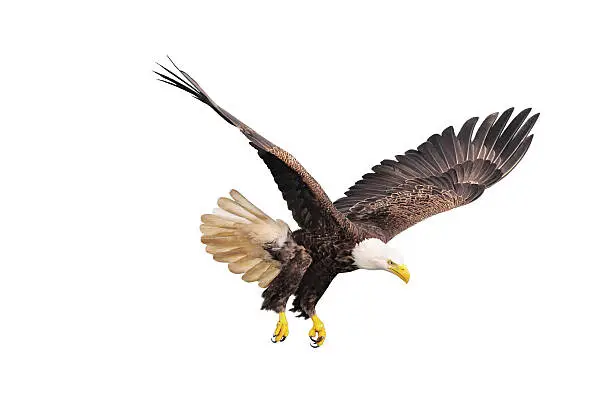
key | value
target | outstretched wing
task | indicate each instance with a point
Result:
(311, 207)
(445, 172)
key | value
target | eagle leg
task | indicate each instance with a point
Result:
(317, 332)
(282, 329)
(295, 260)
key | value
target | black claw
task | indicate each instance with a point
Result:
(314, 340)
(283, 339)
(272, 339)
(314, 345)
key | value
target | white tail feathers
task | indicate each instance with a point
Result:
(236, 233)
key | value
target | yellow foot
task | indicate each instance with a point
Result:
(282, 329)
(317, 332)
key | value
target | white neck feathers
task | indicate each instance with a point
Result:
(372, 253)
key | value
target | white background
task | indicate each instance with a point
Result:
(108, 298)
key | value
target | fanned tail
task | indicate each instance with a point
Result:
(239, 233)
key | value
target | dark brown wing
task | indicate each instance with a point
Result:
(311, 207)
(445, 172)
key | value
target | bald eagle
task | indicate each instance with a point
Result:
(447, 171)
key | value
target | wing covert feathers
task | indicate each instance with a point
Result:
(238, 233)
(446, 171)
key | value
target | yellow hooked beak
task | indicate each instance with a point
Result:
(401, 271)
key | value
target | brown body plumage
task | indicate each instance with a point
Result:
(447, 171)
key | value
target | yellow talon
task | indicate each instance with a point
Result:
(317, 332)
(282, 328)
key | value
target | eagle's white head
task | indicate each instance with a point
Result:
(375, 254)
